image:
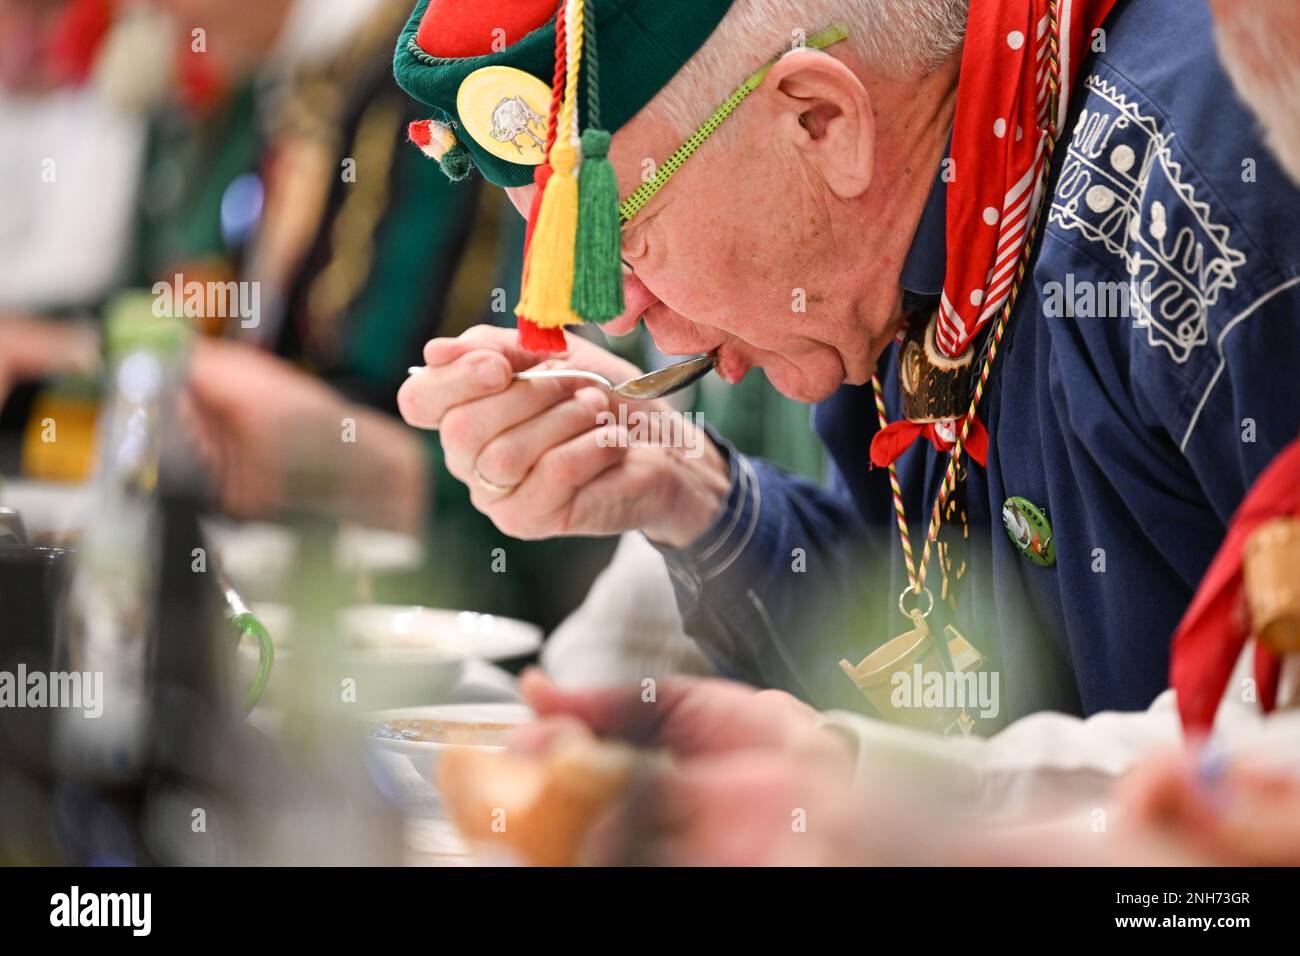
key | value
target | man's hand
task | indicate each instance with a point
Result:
(753, 780)
(32, 349)
(690, 717)
(540, 458)
(1173, 809)
(279, 440)
(1232, 814)
(744, 808)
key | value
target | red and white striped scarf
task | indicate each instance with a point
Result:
(999, 143)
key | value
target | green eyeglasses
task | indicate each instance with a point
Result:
(634, 203)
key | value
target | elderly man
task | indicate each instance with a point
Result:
(1141, 380)
(1127, 438)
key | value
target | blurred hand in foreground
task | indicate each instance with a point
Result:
(1175, 809)
(753, 779)
(279, 440)
(553, 457)
(1230, 814)
(686, 716)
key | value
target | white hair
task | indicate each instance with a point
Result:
(1259, 43)
(893, 37)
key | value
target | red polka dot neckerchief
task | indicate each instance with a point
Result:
(1004, 134)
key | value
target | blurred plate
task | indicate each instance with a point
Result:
(377, 551)
(397, 655)
(398, 632)
(258, 554)
(252, 552)
(49, 510)
(443, 727)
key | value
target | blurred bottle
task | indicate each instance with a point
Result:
(169, 773)
(110, 603)
(142, 781)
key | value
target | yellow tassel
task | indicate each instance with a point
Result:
(548, 295)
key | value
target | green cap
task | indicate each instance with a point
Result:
(643, 43)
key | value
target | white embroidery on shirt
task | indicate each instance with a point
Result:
(1178, 259)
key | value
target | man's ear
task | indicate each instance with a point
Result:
(823, 108)
(521, 197)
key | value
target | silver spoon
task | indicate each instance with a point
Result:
(659, 384)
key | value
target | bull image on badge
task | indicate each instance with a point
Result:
(504, 111)
(514, 118)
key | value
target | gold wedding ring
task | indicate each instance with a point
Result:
(492, 486)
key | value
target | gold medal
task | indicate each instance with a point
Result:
(504, 110)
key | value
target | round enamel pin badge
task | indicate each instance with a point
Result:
(1029, 530)
(504, 111)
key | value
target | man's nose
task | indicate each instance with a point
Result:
(636, 299)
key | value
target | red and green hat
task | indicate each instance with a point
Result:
(642, 45)
(521, 92)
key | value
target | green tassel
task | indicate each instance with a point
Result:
(598, 270)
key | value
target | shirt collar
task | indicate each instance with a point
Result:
(923, 269)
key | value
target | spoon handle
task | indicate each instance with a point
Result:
(545, 373)
(532, 373)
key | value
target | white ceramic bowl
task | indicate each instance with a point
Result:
(425, 754)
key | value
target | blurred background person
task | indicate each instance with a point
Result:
(268, 148)
(364, 250)
(69, 158)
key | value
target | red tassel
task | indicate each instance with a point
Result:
(541, 176)
(534, 338)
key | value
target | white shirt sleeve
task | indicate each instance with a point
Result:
(1040, 768)
(1047, 767)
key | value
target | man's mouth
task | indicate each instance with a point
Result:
(623, 324)
(731, 365)
(673, 333)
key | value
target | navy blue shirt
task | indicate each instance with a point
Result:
(1150, 372)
